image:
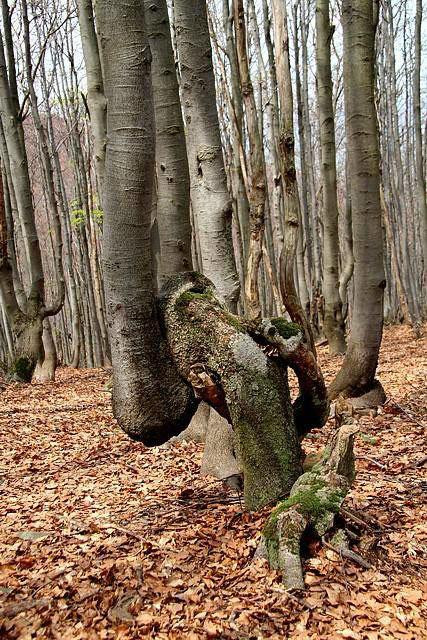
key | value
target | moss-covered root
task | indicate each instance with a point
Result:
(315, 499)
(282, 546)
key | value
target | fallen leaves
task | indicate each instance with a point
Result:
(102, 538)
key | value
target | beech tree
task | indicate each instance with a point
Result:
(248, 89)
(357, 375)
(26, 310)
(199, 350)
(420, 169)
(147, 203)
(150, 400)
(211, 202)
(333, 320)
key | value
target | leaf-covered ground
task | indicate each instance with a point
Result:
(103, 538)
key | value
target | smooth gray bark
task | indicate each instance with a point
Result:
(420, 172)
(333, 321)
(357, 375)
(95, 86)
(210, 199)
(173, 180)
(150, 401)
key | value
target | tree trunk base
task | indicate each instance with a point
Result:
(22, 369)
(219, 459)
(196, 430)
(314, 501)
(373, 398)
(29, 347)
(45, 371)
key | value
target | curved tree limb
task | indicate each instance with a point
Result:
(311, 408)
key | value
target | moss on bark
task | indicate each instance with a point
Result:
(286, 329)
(208, 342)
(315, 499)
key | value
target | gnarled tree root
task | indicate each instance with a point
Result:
(314, 501)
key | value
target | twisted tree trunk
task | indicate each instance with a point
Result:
(226, 360)
(228, 370)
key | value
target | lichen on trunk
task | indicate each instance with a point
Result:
(27, 329)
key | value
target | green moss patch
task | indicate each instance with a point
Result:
(313, 501)
(286, 329)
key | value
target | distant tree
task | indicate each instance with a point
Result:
(333, 324)
(27, 310)
(419, 160)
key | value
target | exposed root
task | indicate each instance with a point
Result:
(315, 499)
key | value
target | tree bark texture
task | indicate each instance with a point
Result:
(288, 173)
(95, 86)
(257, 180)
(333, 324)
(172, 174)
(151, 402)
(358, 370)
(210, 199)
(214, 352)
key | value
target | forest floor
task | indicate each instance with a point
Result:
(103, 538)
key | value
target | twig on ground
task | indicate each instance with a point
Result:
(15, 608)
(378, 464)
(348, 513)
(403, 410)
(417, 463)
(111, 525)
(350, 534)
(350, 555)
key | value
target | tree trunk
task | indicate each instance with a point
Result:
(357, 375)
(333, 321)
(348, 257)
(173, 180)
(421, 182)
(210, 199)
(306, 231)
(45, 369)
(237, 137)
(213, 351)
(150, 401)
(288, 173)
(257, 187)
(95, 87)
